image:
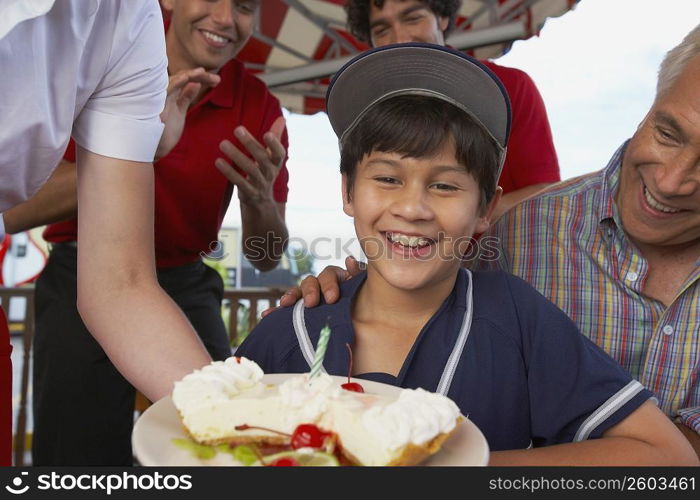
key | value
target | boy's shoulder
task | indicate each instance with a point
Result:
(284, 318)
(338, 313)
(274, 332)
(497, 289)
(493, 299)
(511, 304)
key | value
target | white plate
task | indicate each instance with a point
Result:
(155, 430)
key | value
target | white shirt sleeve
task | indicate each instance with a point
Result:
(122, 117)
(17, 11)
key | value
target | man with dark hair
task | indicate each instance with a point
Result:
(83, 406)
(359, 14)
(531, 162)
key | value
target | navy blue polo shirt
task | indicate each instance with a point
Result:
(526, 374)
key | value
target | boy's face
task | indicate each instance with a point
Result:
(208, 33)
(414, 217)
(400, 21)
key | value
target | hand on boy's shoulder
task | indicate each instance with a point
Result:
(326, 286)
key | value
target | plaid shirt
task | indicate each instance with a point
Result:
(569, 244)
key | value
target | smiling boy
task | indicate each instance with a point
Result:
(531, 162)
(420, 156)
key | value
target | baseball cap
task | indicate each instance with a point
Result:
(418, 69)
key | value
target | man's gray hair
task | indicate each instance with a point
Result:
(676, 60)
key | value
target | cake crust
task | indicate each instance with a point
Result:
(411, 454)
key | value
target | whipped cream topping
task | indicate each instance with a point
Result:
(217, 381)
(416, 417)
(372, 428)
(305, 399)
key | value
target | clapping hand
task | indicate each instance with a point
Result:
(255, 186)
(183, 88)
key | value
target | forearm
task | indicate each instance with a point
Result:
(140, 328)
(617, 451)
(265, 235)
(57, 200)
(511, 199)
(692, 437)
(147, 337)
(645, 437)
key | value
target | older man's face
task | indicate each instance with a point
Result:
(399, 21)
(659, 193)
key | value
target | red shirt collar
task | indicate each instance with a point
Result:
(222, 95)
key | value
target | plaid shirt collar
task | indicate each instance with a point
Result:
(608, 214)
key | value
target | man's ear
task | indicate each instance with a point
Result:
(167, 5)
(484, 221)
(347, 200)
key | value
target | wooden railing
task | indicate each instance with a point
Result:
(255, 299)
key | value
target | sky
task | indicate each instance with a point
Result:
(595, 67)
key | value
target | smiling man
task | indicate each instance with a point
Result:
(618, 249)
(83, 404)
(531, 163)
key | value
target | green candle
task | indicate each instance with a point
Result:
(320, 351)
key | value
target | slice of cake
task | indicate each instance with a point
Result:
(227, 402)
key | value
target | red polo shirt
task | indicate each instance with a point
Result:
(531, 157)
(191, 195)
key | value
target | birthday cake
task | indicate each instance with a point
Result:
(227, 402)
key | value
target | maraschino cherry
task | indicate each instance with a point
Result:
(309, 436)
(283, 462)
(304, 436)
(351, 386)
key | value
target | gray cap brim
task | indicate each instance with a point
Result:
(418, 69)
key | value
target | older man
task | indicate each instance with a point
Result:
(618, 249)
(531, 163)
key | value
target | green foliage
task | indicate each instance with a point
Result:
(243, 318)
(242, 321)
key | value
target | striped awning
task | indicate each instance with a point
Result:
(300, 43)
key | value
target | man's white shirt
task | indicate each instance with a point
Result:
(15, 11)
(94, 69)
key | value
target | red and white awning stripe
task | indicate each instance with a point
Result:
(299, 43)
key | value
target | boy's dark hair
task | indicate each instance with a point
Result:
(417, 126)
(358, 14)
